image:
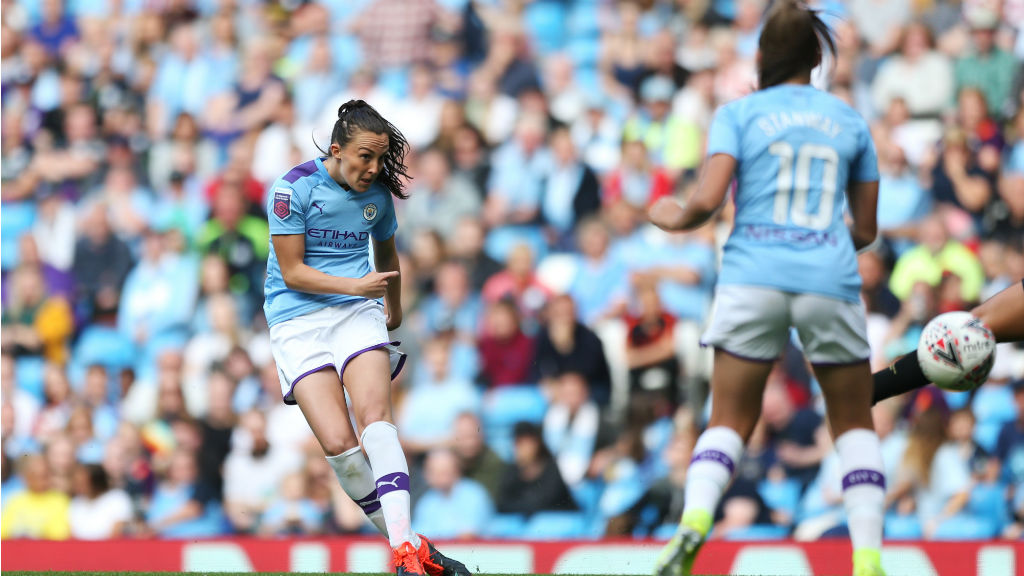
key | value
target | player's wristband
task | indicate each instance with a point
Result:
(874, 244)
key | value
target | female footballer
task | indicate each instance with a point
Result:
(790, 261)
(328, 327)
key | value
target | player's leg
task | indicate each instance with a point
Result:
(367, 378)
(834, 335)
(322, 401)
(749, 328)
(1002, 313)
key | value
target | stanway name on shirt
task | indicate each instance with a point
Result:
(780, 235)
(772, 124)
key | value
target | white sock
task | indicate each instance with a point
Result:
(860, 457)
(356, 479)
(387, 460)
(714, 460)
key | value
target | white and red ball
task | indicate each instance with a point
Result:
(956, 351)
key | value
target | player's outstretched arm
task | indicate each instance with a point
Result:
(290, 250)
(669, 214)
(864, 209)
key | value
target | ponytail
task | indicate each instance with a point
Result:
(792, 43)
(357, 115)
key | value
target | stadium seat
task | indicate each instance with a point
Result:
(501, 241)
(28, 374)
(783, 496)
(583, 22)
(759, 532)
(545, 20)
(989, 501)
(664, 532)
(992, 406)
(966, 527)
(900, 527)
(18, 219)
(556, 526)
(506, 526)
(503, 408)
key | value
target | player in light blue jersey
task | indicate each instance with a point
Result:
(799, 156)
(328, 327)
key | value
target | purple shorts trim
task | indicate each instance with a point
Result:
(864, 476)
(398, 368)
(289, 398)
(839, 364)
(741, 356)
(714, 456)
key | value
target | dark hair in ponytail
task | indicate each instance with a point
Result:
(356, 115)
(792, 43)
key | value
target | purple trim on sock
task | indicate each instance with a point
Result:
(401, 361)
(288, 397)
(392, 482)
(371, 507)
(864, 476)
(714, 456)
(368, 499)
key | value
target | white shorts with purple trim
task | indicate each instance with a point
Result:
(753, 323)
(330, 338)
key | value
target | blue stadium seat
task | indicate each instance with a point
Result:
(966, 527)
(503, 408)
(506, 526)
(759, 532)
(545, 20)
(899, 527)
(588, 495)
(989, 501)
(992, 406)
(583, 22)
(501, 241)
(783, 496)
(18, 219)
(556, 526)
(28, 374)
(664, 532)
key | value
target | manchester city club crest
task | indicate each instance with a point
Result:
(370, 212)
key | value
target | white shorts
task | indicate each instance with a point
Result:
(754, 323)
(329, 337)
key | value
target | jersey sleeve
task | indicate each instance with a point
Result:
(388, 222)
(286, 208)
(724, 134)
(865, 165)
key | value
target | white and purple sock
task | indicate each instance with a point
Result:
(387, 460)
(860, 456)
(356, 479)
(714, 460)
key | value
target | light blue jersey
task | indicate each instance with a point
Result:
(338, 225)
(797, 149)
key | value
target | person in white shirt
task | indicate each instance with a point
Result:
(97, 512)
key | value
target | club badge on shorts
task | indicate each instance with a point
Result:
(370, 212)
(282, 202)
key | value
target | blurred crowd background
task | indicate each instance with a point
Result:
(556, 382)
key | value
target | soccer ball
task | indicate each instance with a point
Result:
(956, 351)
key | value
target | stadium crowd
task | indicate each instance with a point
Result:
(556, 382)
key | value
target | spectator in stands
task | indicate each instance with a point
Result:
(671, 142)
(453, 304)
(253, 472)
(98, 512)
(571, 192)
(216, 428)
(506, 353)
(933, 480)
(55, 411)
(638, 182)
(983, 466)
(937, 253)
(532, 482)
(564, 344)
(518, 170)
(39, 512)
(650, 346)
(798, 435)
(439, 199)
(987, 66)
(916, 64)
(101, 264)
(238, 238)
(177, 508)
(476, 459)
(571, 425)
(518, 282)
(600, 283)
(430, 409)
(291, 513)
(467, 248)
(1009, 450)
(449, 490)
(34, 323)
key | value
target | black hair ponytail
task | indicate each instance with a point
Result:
(357, 115)
(792, 43)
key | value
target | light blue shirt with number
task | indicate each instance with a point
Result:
(337, 224)
(797, 149)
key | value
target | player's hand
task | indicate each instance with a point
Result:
(665, 213)
(374, 285)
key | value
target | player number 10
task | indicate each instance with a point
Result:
(795, 181)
